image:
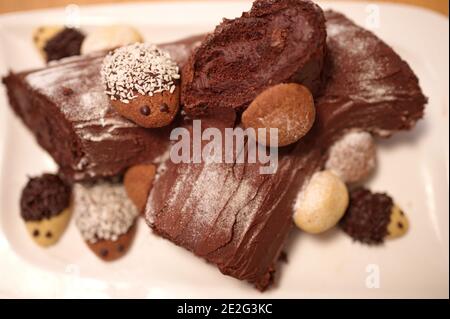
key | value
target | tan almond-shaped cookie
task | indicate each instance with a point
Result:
(110, 250)
(289, 108)
(322, 203)
(143, 83)
(47, 232)
(138, 181)
(45, 207)
(371, 217)
(109, 37)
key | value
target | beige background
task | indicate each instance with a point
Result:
(21, 5)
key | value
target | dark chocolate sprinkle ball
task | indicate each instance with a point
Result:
(367, 216)
(164, 108)
(145, 110)
(44, 197)
(64, 44)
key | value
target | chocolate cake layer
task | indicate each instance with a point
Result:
(65, 107)
(238, 219)
(275, 42)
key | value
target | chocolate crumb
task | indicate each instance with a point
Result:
(164, 108)
(120, 248)
(367, 216)
(145, 110)
(400, 225)
(67, 91)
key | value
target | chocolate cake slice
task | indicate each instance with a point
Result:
(238, 219)
(65, 107)
(275, 42)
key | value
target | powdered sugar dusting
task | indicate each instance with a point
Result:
(161, 162)
(208, 195)
(206, 198)
(82, 76)
(369, 70)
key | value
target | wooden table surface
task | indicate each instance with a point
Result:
(22, 5)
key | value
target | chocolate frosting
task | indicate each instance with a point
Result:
(275, 42)
(65, 107)
(368, 216)
(239, 220)
(44, 197)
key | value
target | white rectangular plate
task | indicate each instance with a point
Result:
(413, 167)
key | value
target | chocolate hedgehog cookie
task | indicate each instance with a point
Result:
(45, 207)
(373, 217)
(57, 42)
(106, 218)
(142, 82)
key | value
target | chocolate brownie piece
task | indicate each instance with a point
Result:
(238, 219)
(276, 41)
(65, 107)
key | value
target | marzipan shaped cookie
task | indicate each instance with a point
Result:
(45, 208)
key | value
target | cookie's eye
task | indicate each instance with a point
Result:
(145, 110)
(49, 234)
(36, 233)
(120, 248)
(164, 108)
(104, 252)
